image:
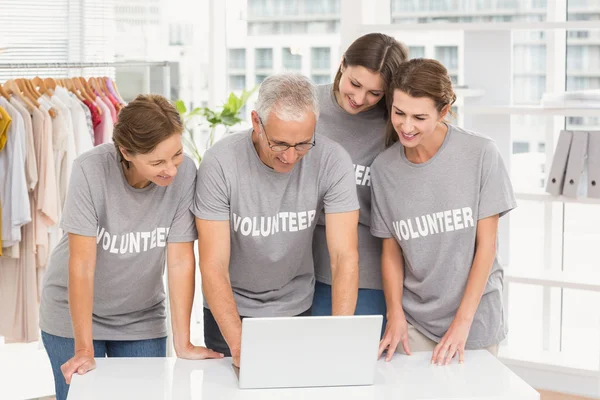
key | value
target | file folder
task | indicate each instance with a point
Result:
(594, 164)
(576, 177)
(556, 177)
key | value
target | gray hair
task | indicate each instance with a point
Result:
(291, 96)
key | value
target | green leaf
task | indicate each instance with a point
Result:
(180, 106)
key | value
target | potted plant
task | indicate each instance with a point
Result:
(222, 118)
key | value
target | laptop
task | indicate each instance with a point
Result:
(296, 352)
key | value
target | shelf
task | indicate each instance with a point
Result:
(577, 364)
(549, 278)
(545, 197)
(483, 26)
(531, 110)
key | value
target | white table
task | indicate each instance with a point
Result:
(482, 376)
(25, 372)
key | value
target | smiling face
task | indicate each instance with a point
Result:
(275, 132)
(414, 118)
(159, 166)
(360, 89)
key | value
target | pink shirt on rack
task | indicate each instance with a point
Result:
(103, 132)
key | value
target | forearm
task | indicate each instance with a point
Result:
(81, 303)
(478, 277)
(181, 295)
(344, 284)
(392, 275)
(219, 296)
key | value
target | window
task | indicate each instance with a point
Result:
(259, 79)
(237, 82)
(263, 58)
(321, 58)
(237, 58)
(291, 60)
(416, 51)
(447, 55)
(541, 149)
(520, 147)
(321, 79)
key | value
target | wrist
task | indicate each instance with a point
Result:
(395, 313)
(464, 318)
(182, 345)
(85, 351)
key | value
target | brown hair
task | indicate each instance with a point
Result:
(144, 123)
(420, 77)
(376, 52)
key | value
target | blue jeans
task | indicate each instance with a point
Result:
(370, 302)
(61, 349)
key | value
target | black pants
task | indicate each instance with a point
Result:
(214, 340)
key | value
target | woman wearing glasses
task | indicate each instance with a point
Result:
(353, 113)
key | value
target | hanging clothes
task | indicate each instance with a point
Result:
(47, 197)
(15, 199)
(40, 136)
(81, 134)
(18, 276)
(31, 173)
(103, 132)
(5, 122)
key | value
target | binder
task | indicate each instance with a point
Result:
(556, 176)
(576, 177)
(594, 164)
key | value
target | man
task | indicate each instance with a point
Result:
(257, 196)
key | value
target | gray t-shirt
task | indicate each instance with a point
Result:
(432, 210)
(272, 218)
(363, 137)
(132, 228)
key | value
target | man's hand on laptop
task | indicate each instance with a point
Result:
(191, 352)
(396, 332)
(235, 354)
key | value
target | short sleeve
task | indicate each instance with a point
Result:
(340, 195)
(496, 193)
(183, 227)
(378, 227)
(211, 201)
(79, 214)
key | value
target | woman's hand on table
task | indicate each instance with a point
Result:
(82, 362)
(452, 343)
(396, 332)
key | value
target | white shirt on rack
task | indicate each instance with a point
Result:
(82, 137)
(15, 199)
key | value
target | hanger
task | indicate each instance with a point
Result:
(114, 85)
(3, 93)
(38, 82)
(32, 89)
(87, 92)
(97, 88)
(50, 83)
(18, 87)
(34, 95)
(14, 92)
(70, 86)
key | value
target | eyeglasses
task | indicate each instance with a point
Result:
(283, 147)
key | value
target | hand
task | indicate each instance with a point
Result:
(191, 352)
(82, 362)
(396, 331)
(453, 342)
(235, 354)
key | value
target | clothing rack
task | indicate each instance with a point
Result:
(166, 69)
(166, 92)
